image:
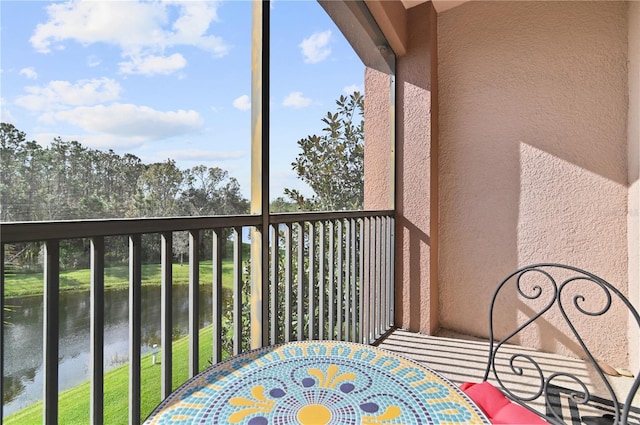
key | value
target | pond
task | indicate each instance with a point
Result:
(23, 367)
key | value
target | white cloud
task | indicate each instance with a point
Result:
(96, 141)
(296, 100)
(354, 87)
(58, 94)
(139, 28)
(192, 25)
(130, 25)
(152, 64)
(29, 73)
(243, 103)
(5, 113)
(316, 48)
(131, 121)
(93, 61)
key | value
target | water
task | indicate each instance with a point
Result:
(23, 368)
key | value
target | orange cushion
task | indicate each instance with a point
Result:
(498, 408)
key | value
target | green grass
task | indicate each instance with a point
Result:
(27, 284)
(73, 404)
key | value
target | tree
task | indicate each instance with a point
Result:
(210, 191)
(282, 205)
(13, 192)
(158, 190)
(332, 164)
(67, 180)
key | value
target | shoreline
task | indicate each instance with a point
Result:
(74, 402)
(22, 285)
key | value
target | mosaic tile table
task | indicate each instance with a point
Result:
(318, 382)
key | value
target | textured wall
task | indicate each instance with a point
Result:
(378, 170)
(533, 154)
(416, 202)
(634, 171)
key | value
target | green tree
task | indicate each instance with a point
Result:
(158, 191)
(282, 205)
(210, 191)
(13, 190)
(67, 180)
(332, 164)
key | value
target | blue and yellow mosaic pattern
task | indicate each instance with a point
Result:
(318, 382)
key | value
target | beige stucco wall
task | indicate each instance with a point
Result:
(533, 155)
(634, 172)
(416, 293)
(378, 141)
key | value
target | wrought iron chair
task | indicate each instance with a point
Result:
(551, 289)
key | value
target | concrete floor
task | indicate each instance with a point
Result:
(461, 358)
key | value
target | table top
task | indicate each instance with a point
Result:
(318, 382)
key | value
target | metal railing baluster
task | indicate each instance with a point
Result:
(383, 275)
(332, 282)
(51, 331)
(361, 301)
(321, 280)
(275, 283)
(347, 281)
(354, 282)
(300, 282)
(166, 324)
(194, 303)
(378, 278)
(391, 271)
(216, 305)
(97, 331)
(339, 283)
(288, 266)
(2, 320)
(237, 290)
(135, 325)
(311, 295)
(372, 280)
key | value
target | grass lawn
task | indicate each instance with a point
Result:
(25, 284)
(74, 404)
(18, 284)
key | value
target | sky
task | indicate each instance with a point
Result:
(171, 79)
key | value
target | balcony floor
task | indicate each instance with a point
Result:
(462, 358)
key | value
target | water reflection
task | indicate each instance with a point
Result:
(23, 337)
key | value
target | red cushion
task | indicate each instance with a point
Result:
(498, 408)
(514, 414)
(486, 396)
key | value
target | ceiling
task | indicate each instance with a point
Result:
(439, 5)
(391, 18)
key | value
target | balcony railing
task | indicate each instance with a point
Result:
(330, 277)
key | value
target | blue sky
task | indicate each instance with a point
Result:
(170, 79)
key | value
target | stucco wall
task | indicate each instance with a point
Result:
(416, 293)
(533, 155)
(634, 172)
(378, 141)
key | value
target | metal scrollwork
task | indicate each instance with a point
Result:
(519, 371)
(579, 398)
(580, 298)
(584, 301)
